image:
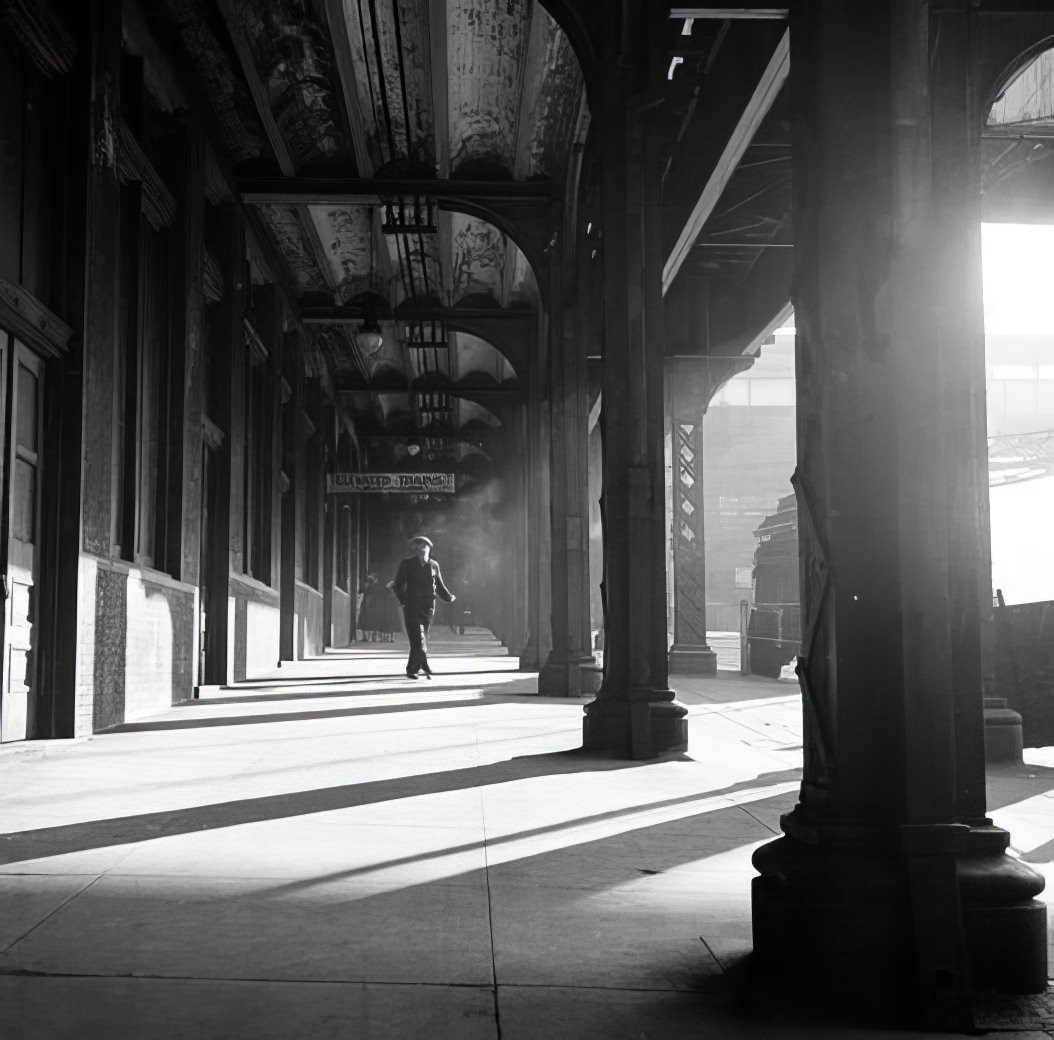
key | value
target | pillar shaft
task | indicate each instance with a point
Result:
(635, 714)
(691, 653)
(887, 292)
(227, 393)
(569, 504)
(515, 637)
(536, 483)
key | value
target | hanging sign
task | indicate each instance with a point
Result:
(401, 483)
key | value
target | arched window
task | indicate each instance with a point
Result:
(1027, 101)
(1017, 148)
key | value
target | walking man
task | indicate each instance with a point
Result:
(418, 581)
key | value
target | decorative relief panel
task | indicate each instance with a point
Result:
(203, 38)
(479, 258)
(487, 45)
(293, 57)
(344, 233)
(555, 88)
(283, 222)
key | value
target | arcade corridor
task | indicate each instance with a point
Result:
(289, 285)
(338, 852)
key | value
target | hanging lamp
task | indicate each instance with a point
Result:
(368, 336)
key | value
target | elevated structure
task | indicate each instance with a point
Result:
(248, 246)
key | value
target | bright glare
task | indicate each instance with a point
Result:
(1018, 267)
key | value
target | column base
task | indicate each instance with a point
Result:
(1003, 733)
(834, 913)
(577, 677)
(688, 659)
(638, 723)
(530, 659)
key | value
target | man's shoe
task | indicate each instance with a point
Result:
(411, 675)
(428, 674)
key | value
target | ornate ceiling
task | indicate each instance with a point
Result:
(377, 100)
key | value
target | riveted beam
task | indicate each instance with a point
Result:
(761, 100)
(343, 191)
(730, 13)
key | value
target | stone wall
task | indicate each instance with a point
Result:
(136, 646)
(341, 635)
(254, 627)
(308, 621)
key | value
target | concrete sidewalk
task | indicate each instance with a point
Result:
(336, 851)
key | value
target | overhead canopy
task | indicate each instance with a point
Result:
(417, 110)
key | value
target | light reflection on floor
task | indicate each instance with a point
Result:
(384, 833)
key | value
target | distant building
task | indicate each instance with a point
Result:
(748, 458)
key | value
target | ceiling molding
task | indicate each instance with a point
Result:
(321, 315)
(257, 88)
(338, 32)
(32, 321)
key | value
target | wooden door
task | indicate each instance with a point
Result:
(22, 479)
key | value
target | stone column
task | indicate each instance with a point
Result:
(889, 885)
(690, 653)
(515, 636)
(182, 548)
(562, 675)
(536, 469)
(635, 715)
(289, 517)
(228, 391)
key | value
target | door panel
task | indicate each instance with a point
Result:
(23, 480)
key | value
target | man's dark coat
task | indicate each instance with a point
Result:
(417, 584)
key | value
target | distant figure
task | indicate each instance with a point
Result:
(391, 615)
(370, 609)
(417, 582)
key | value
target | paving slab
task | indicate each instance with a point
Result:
(175, 1009)
(530, 1013)
(27, 902)
(320, 929)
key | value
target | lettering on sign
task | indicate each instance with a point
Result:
(401, 483)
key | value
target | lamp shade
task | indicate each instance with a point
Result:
(368, 337)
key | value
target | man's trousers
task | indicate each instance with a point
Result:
(416, 620)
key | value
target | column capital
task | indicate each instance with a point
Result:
(692, 382)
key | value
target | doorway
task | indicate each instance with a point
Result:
(21, 438)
